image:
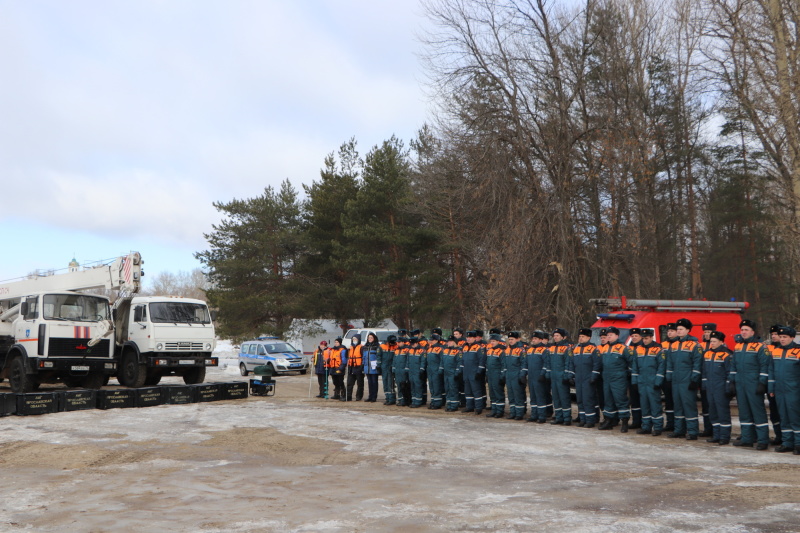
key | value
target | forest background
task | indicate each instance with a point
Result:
(637, 147)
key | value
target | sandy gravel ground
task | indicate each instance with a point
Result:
(293, 463)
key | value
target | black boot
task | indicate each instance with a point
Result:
(624, 428)
(607, 424)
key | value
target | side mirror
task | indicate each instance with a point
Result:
(23, 309)
(214, 315)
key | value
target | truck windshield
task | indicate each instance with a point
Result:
(77, 307)
(184, 312)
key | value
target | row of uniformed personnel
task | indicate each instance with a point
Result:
(618, 379)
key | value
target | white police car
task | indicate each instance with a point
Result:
(280, 355)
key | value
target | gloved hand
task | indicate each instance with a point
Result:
(565, 380)
(523, 379)
(541, 379)
(731, 390)
(761, 388)
(693, 385)
(571, 382)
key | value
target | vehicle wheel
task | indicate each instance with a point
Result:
(243, 369)
(152, 380)
(131, 373)
(304, 372)
(71, 381)
(194, 376)
(19, 380)
(93, 381)
(106, 379)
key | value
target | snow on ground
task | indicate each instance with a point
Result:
(291, 463)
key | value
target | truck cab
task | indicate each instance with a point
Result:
(56, 336)
(159, 336)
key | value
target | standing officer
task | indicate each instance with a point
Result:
(784, 383)
(774, 412)
(355, 369)
(705, 343)
(458, 333)
(584, 368)
(451, 368)
(415, 364)
(617, 365)
(669, 403)
(555, 371)
(495, 374)
(633, 390)
(601, 402)
(534, 369)
(474, 369)
(433, 364)
(400, 370)
(320, 369)
(684, 362)
(337, 366)
(719, 390)
(515, 378)
(387, 369)
(649, 368)
(750, 372)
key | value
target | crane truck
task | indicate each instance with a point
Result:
(50, 331)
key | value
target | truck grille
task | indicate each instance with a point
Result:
(60, 347)
(183, 346)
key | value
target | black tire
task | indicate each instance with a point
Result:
(243, 369)
(196, 375)
(304, 372)
(93, 381)
(131, 372)
(72, 381)
(20, 381)
(152, 380)
(106, 379)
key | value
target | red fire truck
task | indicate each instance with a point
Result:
(625, 314)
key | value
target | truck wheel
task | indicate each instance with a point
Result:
(106, 379)
(303, 372)
(19, 380)
(195, 375)
(131, 373)
(243, 369)
(152, 380)
(93, 381)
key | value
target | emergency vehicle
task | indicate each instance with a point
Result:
(624, 314)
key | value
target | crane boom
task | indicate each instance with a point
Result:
(123, 273)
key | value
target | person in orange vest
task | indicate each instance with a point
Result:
(774, 414)
(337, 365)
(355, 369)
(319, 360)
(705, 343)
(719, 389)
(784, 383)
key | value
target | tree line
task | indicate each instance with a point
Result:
(646, 148)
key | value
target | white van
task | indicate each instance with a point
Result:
(381, 333)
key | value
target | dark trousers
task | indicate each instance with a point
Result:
(669, 406)
(322, 381)
(775, 417)
(338, 386)
(372, 387)
(356, 379)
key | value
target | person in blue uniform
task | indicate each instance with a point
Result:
(669, 403)
(684, 363)
(535, 369)
(473, 364)
(649, 369)
(749, 373)
(415, 364)
(617, 367)
(450, 369)
(774, 412)
(515, 378)
(495, 374)
(584, 368)
(387, 369)
(401, 370)
(633, 390)
(705, 343)
(555, 371)
(784, 383)
(719, 389)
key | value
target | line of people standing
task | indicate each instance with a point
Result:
(622, 381)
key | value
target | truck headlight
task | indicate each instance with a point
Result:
(159, 346)
(208, 346)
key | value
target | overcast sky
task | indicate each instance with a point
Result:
(121, 122)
